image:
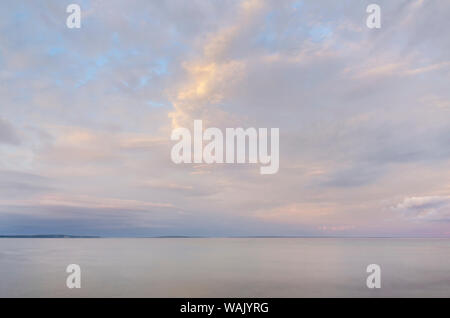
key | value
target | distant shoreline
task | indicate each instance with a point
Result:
(65, 236)
(48, 236)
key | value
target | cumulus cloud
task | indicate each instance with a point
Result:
(427, 208)
(212, 76)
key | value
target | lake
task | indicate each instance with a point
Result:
(225, 267)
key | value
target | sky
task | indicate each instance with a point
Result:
(86, 117)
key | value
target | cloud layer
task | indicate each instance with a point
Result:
(86, 117)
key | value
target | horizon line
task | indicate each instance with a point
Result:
(220, 236)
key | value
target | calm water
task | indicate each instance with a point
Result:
(224, 267)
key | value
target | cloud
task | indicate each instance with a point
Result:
(435, 101)
(18, 185)
(427, 208)
(300, 213)
(212, 76)
(333, 228)
(87, 202)
(8, 135)
(363, 115)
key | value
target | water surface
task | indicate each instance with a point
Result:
(225, 267)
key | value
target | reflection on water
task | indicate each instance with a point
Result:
(247, 267)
